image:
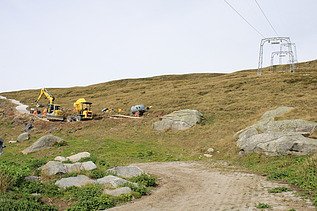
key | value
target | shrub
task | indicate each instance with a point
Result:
(145, 179)
(262, 206)
(18, 202)
(278, 190)
(89, 197)
(13, 174)
(6, 181)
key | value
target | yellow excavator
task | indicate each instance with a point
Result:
(83, 109)
(52, 111)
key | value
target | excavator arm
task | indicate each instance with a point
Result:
(47, 95)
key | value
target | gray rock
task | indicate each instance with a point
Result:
(274, 138)
(79, 181)
(77, 157)
(126, 171)
(112, 181)
(23, 137)
(32, 178)
(44, 142)
(52, 168)
(178, 120)
(60, 158)
(118, 191)
(88, 166)
(72, 167)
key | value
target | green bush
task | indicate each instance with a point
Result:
(262, 206)
(89, 197)
(12, 175)
(47, 189)
(278, 190)
(18, 202)
(145, 179)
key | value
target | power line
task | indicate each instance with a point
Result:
(244, 19)
(266, 17)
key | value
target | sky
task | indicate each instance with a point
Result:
(66, 43)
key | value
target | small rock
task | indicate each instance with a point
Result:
(23, 137)
(53, 167)
(79, 181)
(208, 155)
(210, 150)
(126, 171)
(111, 180)
(118, 191)
(60, 158)
(32, 178)
(72, 167)
(88, 166)
(77, 157)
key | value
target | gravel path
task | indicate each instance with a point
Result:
(21, 108)
(193, 186)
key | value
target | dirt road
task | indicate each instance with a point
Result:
(193, 186)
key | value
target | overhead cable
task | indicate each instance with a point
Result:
(244, 19)
(266, 17)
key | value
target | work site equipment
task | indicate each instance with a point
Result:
(138, 110)
(52, 111)
(83, 109)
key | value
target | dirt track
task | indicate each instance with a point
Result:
(192, 186)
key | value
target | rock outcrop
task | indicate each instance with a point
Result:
(126, 171)
(44, 142)
(78, 156)
(23, 137)
(79, 181)
(111, 181)
(118, 191)
(274, 138)
(178, 120)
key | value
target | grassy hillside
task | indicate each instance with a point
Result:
(229, 102)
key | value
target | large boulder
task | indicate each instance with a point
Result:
(79, 181)
(44, 142)
(23, 137)
(53, 167)
(283, 137)
(178, 120)
(78, 156)
(111, 181)
(126, 171)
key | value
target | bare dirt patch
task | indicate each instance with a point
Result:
(193, 186)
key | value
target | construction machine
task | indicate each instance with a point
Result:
(52, 111)
(83, 109)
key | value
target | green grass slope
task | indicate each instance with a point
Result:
(229, 102)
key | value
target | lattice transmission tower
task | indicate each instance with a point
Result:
(282, 41)
(281, 54)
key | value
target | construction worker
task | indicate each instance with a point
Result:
(1, 146)
(29, 126)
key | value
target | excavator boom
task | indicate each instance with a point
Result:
(47, 95)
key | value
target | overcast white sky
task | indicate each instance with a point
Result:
(64, 43)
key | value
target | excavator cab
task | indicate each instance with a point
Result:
(83, 108)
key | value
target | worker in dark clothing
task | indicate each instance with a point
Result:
(29, 126)
(1, 146)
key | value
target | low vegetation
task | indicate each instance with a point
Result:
(229, 102)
